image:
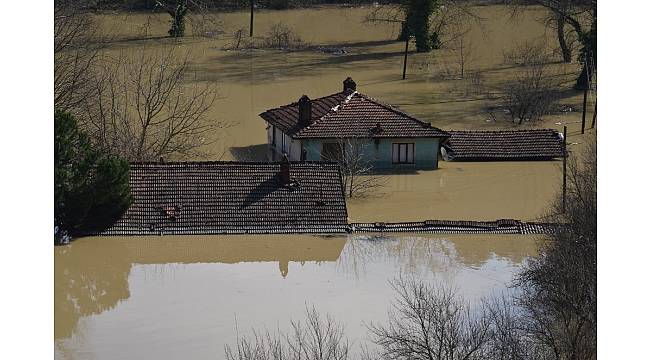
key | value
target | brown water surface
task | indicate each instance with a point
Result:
(183, 297)
(250, 82)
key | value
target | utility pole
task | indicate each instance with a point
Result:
(252, 8)
(406, 52)
(584, 96)
(593, 120)
(584, 110)
(564, 157)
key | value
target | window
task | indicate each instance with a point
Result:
(332, 152)
(403, 153)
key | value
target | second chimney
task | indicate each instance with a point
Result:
(349, 85)
(304, 110)
(285, 171)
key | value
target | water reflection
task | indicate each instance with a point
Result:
(172, 293)
(91, 275)
(435, 253)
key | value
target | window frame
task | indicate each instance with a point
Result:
(399, 147)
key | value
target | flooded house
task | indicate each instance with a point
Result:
(221, 197)
(329, 127)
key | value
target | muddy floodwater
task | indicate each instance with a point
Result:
(186, 297)
(249, 82)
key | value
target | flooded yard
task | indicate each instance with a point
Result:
(186, 297)
(249, 82)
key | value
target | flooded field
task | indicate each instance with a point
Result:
(250, 82)
(186, 297)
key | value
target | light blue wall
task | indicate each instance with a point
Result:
(426, 152)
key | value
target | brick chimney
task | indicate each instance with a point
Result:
(349, 85)
(304, 110)
(285, 170)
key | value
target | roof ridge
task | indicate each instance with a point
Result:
(401, 112)
(332, 110)
(296, 103)
(505, 130)
(230, 162)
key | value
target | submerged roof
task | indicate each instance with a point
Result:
(534, 144)
(232, 198)
(350, 114)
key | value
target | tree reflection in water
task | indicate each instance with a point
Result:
(94, 275)
(87, 285)
(421, 253)
(91, 274)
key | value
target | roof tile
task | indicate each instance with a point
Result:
(232, 198)
(350, 115)
(534, 144)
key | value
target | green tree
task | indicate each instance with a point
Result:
(418, 13)
(587, 57)
(91, 190)
(177, 11)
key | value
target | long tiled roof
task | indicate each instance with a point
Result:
(502, 226)
(350, 115)
(232, 198)
(535, 144)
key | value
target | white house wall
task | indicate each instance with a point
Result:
(283, 144)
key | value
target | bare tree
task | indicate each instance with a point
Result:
(530, 96)
(509, 338)
(463, 48)
(75, 54)
(553, 313)
(280, 36)
(526, 53)
(355, 157)
(318, 339)
(574, 13)
(431, 322)
(141, 109)
(559, 286)
(236, 40)
(205, 24)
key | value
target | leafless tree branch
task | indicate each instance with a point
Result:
(142, 109)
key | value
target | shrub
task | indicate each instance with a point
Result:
(91, 190)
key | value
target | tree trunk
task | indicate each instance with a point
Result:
(583, 79)
(566, 51)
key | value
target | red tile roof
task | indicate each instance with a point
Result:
(502, 226)
(350, 115)
(534, 144)
(232, 198)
